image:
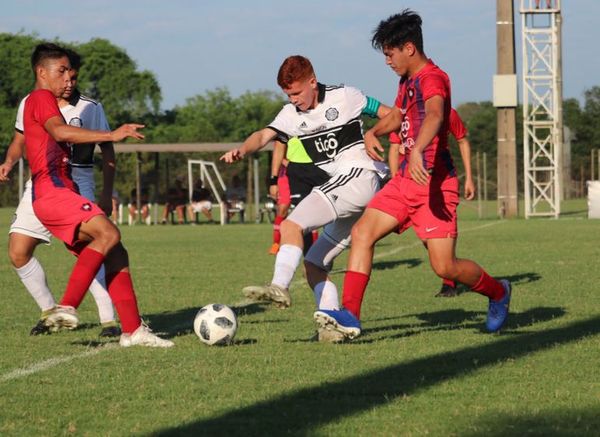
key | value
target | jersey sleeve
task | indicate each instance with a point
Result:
(434, 85)
(101, 123)
(282, 124)
(356, 101)
(19, 120)
(457, 127)
(43, 106)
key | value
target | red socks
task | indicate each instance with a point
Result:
(355, 284)
(449, 283)
(489, 287)
(85, 269)
(120, 289)
(276, 227)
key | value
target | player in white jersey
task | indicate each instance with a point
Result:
(26, 231)
(322, 123)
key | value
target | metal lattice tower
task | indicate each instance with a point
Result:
(542, 106)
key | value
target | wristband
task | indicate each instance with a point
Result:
(273, 180)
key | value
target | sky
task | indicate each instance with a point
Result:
(197, 45)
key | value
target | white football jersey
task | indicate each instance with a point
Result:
(331, 133)
(80, 112)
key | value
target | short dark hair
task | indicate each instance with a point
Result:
(45, 51)
(399, 29)
(294, 68)
(74, 59)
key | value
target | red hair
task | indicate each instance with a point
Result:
(293, 69)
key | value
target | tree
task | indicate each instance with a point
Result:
(109, 75)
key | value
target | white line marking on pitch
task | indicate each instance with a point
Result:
(49, 363)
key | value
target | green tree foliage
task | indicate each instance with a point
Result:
(109, 75)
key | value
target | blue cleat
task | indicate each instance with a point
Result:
(498, 311)
(342, 321)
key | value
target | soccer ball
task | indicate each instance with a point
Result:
(215, 324)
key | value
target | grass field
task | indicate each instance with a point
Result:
(423, 366)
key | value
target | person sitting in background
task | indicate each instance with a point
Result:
(144, 206)
(201, 202)
(176, 201)
(235, 196)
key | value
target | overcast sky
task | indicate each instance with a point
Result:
(194, 46)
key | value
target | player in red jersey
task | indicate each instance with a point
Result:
(424, 192)
(459, 131)
(79, 223)
(279, 190)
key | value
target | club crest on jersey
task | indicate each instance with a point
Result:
(75, 121)
(332, 114)
(86, 207)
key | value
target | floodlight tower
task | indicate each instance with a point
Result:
(542, 106)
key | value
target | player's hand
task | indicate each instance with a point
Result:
(232, 156)
(129, 130)
(372, 145)
(416, 168)
(469, 189)
(4, 171)
(274, 191)
(105, 203)
(401, 149)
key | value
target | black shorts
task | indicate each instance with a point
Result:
(303, 178)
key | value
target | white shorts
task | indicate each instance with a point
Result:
(337, 205)
(25, 221)
(203, 204)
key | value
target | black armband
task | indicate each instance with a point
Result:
(273, 180)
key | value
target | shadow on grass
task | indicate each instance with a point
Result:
(456, 319)
(387, 265)
(545, 423)
(303, 411)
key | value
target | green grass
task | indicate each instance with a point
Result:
(423, 365)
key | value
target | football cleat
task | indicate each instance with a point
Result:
(62, 316)
(342, 321)
(447, 291)
(498, 310)
(269, 293)
(110, 329)
(40, 328)
(143, 336)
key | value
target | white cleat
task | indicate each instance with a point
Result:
(269, 293)
(143, 336)
(62, 316)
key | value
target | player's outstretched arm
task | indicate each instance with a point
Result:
(16, 150)
(254, 142)
(465, 152)
(62, 132)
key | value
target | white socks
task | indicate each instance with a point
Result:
(103, 300)
(326, 296)
(286, 263)
(34, 279)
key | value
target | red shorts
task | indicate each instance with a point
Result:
(430, 209)
(61, 211)
(283, 184)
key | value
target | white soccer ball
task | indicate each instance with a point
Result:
(215, 324)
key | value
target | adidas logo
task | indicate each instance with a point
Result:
(303, 125)
(334, 197)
